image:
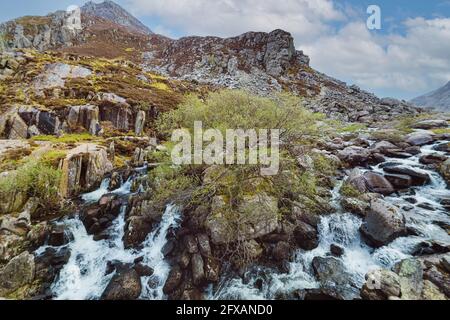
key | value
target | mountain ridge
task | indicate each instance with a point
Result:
(256, 61)
(438, 99)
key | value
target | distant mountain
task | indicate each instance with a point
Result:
(110, 11)
(438, 99)
(257, 61)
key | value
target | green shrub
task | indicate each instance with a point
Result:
(35, 179)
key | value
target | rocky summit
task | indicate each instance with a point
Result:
(92, 205)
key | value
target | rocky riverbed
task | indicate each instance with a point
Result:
(385, 235)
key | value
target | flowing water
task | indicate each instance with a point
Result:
(342, 228)
(84, 276)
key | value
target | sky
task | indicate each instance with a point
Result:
(408, 56)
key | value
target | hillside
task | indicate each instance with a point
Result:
(438, 99)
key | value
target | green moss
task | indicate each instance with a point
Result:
(67, 138)
(351, 128)
(161, 86)
(347, 190)
(53, 158)
(441, 131)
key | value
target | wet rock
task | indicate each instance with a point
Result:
(336, 250)
(413, 150)
(383, 224)
(430, 124)
(410, 273)
(419, 138)
(378, 184)
(19, 272)
(57, 236)
(212, 270)
(115, 182)
(191, 244)
(198, 273)
(434, 158)
(419, 177)
(125, 285)
(381, 285)
(355, 206)
(137, 228)
(334, 278)
(444, 170)
(398, 154)
(281, 251)
(143, 270)
(306, 236)
(430, 248)
(173, 280)
(399, 181)
(443, 147)
(204, 245)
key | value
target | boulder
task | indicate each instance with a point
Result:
(444, 170)
(418, 177)
(334, 278)
(306, 236)
(125, 285)
(431, 124)
(434, 158)
(19, 272)
(410, 273)
(355, 206)
(399, 181)
(419, 138)
(443, 147)
(381, 285)
(378, 184)
(173, 280)
(382, 224)
(354, 155)
(84, 168)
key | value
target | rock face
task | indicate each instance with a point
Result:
(83, 168)
(86, 116)
(17, 273)
(381, 285)
(125, 285)
(382, 224)
(55, 75)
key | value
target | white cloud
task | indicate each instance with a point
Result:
(307, 18)
(406, 64)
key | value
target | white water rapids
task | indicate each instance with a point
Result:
(84, 276)
(342, 228)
